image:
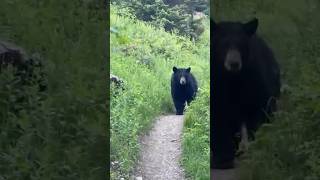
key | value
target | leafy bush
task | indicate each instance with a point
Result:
(64, 135)
(143, 57)
(289, 147)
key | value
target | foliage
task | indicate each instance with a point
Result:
(61, 136)
(289, 147)
(143, 57)
(170, 15)
(196, 137)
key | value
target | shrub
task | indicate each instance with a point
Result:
(170, 15)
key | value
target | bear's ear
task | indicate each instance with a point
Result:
(213, 25)
(251, 26)
(174, 69)
(188, 69)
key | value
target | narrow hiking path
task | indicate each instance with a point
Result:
(228, 174)
(161, 151)
(225, 174)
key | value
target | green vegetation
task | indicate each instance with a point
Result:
(289, 148)
(196, 150)
(196, 145)
(143, 57)
(176, 15)
(60, 133)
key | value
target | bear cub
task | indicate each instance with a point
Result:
(183, 88)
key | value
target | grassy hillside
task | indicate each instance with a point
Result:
(143, 57)
(288, 148)
(63, 135)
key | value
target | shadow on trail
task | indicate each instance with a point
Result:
(228, 174)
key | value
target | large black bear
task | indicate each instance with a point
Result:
(245, 85)
(183, 88)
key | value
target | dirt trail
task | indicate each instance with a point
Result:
(223, 174)
(161, 151)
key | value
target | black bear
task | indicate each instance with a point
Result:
(183, 88)
(245, 81)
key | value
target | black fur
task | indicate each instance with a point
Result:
(239, 97)
(182, 93)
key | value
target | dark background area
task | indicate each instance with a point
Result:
(59, 133)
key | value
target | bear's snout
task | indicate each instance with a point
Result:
(233, 61)
(183, 80)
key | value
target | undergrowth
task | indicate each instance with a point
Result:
(59, 133)
(196, 148)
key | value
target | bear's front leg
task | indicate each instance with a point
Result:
(179, 107)
(244, 143)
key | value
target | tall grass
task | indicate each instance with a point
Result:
(143, 57)
(196, 149)
(62, 136)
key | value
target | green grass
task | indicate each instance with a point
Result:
(289, 147)
(64, 136)
(196, 151)
(143, 57)
(196, 145)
